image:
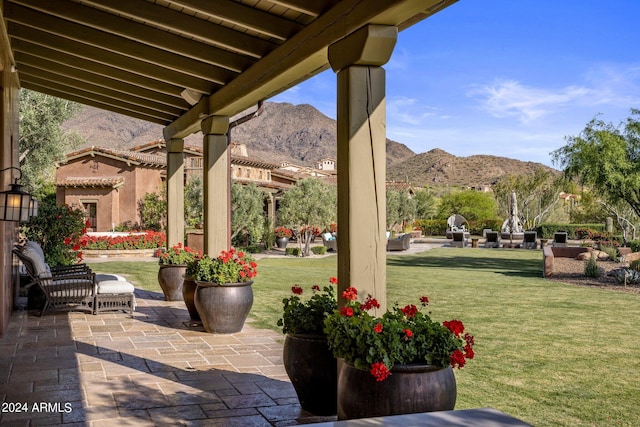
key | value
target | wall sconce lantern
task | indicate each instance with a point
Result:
(15, 204)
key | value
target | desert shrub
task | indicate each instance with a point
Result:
(319, 250)
(610, 249)
(635, 265)
(293, 251)
(634, 245)
(574, 231)
(591, 268)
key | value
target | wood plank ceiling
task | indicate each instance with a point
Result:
(146, 58)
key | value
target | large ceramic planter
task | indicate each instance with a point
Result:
(409, 389)
(170, 278)
(188, 292)
(223, 308)
(313, 372)
(281, 242)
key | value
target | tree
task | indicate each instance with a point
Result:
(153, 211)
(471, 204)
(536, 195)
(42, 141)
(309, 203)
(607, 158)
(426, 204)
(401, 208)
(247, 211)
(193, 197)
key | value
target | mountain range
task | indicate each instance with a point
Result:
(303, 135)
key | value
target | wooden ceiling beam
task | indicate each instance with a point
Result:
(311, 8)
(109, 58)
(131, 112)
(34, 53)
(189, 26)
(141, 33)
(118, 45)
(96, 79)
(30, 73)
(244, 16)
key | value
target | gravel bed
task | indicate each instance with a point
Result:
(570, 270)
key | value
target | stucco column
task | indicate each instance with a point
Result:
(175, 192)
(362, 159)
(271, 210)
(217, 185)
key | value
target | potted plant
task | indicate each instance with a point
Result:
(400, 362)
(309, 363)
(173, 264)
(224, 296)
(283, 234)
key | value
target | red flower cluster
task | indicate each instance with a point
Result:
(370, 303)
(346, 311)
(333, 280)
(424, 300)
(458, 358)
(380, 371)
(409, 310)
(249, 270)
(378, 328)
(408, 333)
(146, 240)
(350, 293)
(283, 232)
(296, 290)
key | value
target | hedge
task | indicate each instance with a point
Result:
(438, 227)
(574, 231)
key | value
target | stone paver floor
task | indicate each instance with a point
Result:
(157, 368)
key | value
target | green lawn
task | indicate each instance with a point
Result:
(548, 353)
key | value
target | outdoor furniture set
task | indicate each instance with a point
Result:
(399, 243)
(74, 287)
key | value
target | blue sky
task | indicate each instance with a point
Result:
(507, 78)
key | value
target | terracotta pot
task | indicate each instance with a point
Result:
(313, 372)
(188, 293)
(409, 389)
(170, 278)
(223, 308)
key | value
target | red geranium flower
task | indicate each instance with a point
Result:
(424, 300)
(378, 328)
(346, 311)
(409, 310)
(454, 326)
(457, 358)
(408, 333)
(350, 293)
(315, 288)
(370, 303)
(380, 371)
(296, 290)
(333, 280)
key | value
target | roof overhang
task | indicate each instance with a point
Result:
(174, 62)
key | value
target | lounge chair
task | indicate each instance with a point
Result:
(400, 243)
(492, 239)
(460, 239)
(74, 287)
(329, 241)
(530, 240)
(560, 238)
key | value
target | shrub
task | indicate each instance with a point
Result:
(591, 268)
(293, 251)
(634, 245)
(319, 250)
(635, 265)
(610, 249)
(574, 231)
(148, 240)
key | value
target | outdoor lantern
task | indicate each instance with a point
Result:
(15, 204)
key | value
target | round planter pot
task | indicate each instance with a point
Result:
(188, 292)
(313, 372)
(170, 278)
(281, 242)
(409, 389)
(223, 308)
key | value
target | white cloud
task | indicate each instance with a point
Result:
(509, 98)
(409, 110)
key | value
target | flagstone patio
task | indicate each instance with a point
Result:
(156, 368)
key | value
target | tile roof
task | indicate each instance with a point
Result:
(107, 181)
(127, 156)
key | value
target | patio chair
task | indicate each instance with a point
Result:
(492, 239)
(400, 243)
(530, 240)
(330, 242)
(460, 239)
(71, 288)
(560, 238)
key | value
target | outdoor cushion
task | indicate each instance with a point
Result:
(41, 268)
(327, 236)
(103, 277)
(115, 287)
(36, 247)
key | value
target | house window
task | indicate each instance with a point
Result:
(91, 214)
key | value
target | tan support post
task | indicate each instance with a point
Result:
(217, 185)
(175, 192)
(362, 159)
